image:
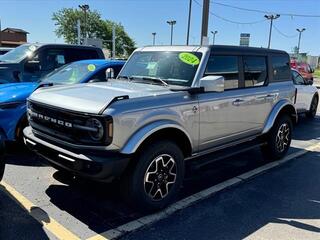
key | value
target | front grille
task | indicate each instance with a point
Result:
(60, 123)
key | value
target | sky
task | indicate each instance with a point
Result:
(142, 17)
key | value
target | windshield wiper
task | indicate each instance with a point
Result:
(124, 77)
(153, 79)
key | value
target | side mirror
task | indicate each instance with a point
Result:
(109, 73)
(312, 70)
(212, 83)
(309, 82)
(32, 66)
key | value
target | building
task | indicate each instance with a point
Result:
(12, 37)
(244, 39)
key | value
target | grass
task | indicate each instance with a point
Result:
(317, 73)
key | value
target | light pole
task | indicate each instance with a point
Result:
(189, 20)
(85, 8)
(300, 32)
(271, 18)
(214, 36)
(171, 23)
(154, 38)
(205, 20)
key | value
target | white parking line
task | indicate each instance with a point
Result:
(186, 202)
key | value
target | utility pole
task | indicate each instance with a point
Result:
(205, 20)
(79, 31)
(171, 23)
(189, 20)
(271, 18)
(85, 8)
(214, 36)
(154, 38)
(300, 32)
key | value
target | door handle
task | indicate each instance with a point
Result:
(237, 102)
(270, 96)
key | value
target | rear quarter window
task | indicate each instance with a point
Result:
(281, 68)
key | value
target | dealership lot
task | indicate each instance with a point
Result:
(73, 208)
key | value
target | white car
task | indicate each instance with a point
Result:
(307, 95)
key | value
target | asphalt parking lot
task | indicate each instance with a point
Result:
(38, 202)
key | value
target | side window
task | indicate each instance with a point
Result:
(280, 68)
(255, 71)
(226, 66)
(297, 78)
(52, 59)
(76, 54)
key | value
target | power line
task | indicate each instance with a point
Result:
(231, 21)
(283, 34)
(266, 12)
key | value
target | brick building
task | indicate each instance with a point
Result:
(12, 37)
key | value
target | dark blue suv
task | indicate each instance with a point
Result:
(30, 62)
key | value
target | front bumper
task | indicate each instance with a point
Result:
(99, 165)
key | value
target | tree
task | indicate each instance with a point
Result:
(66, 22)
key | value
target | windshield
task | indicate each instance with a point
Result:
(70, 73)
(19, 53)
(176, 68)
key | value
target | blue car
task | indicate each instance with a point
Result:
(13, 95)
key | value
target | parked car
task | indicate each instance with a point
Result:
(304, 69)
(4, 50)
(30, 62)
(2, 163)
(307, 95)
(168, 104)
(13, 97)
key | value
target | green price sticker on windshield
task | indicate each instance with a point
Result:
(189, 58)
(91, 67)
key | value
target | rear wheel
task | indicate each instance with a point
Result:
(313, 107)
(278, 139)
(157, 177)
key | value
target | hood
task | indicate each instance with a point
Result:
(93, 97)
(16, 91)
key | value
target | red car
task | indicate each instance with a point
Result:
(304, 69)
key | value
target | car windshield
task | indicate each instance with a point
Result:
(70, 73)
(19, 53)
(160, 67)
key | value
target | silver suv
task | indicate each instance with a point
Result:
(168, 105)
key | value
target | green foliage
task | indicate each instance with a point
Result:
(66, 22)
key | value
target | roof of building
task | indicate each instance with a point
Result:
(17, 30)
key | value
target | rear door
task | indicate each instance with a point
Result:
(223, 117)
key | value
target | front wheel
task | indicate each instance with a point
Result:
(278, 139)
(157, 177)
(313, 107)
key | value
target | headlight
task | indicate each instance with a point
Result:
(97, 131)
(10, 105)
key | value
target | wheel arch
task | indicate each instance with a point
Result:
(282, 107)
(158, 131)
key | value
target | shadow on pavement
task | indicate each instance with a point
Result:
(15, 222)
(288, 195)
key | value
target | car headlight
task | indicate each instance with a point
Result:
(10, 105)
(97, 131)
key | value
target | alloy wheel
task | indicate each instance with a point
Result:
(282, 138)
(160, 177)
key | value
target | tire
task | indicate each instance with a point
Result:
(147, 184)
(2, 163)
(313, 107)
(278, 139)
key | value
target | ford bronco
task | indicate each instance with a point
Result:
(168, 104)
